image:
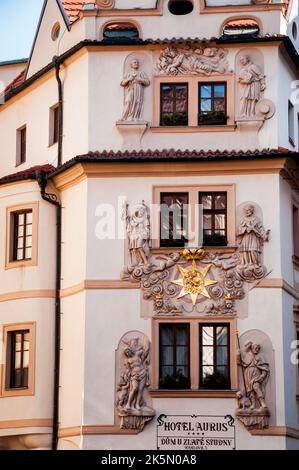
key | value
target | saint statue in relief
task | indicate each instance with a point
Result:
(251, 235)
(253, 83)
(138, 233)
(134, 83)
(255, 373)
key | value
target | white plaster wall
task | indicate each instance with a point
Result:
(32, 110)
(109, 314)
(290, 370)
(45, 48)
(195, 25)
(287, 81)
(72, 361)
(286, 229)
(74, 231)
(40, 405)
(8, 73)
(41, 276)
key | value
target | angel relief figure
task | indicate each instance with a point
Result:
(138, 233)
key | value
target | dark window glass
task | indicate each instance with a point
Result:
(214, 356)
(22, 235)
(174, 104)
(21, 146)
(214, 218)
(55, 124)
(173, 219)
(212, 104)
(121, 31)
(174, 356)
(18, 356)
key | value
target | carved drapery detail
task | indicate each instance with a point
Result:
(133, 382)
(134, 83)
(196, 61)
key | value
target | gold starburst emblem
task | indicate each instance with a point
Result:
(194, 282)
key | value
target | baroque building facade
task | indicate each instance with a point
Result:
(149, 205)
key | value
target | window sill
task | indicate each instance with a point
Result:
(188, 129)
(21, 264)
(223, 249)
(193, 393)
(17, 392)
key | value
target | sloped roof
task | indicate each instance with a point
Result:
(73, 8)
(27, 174)
(14, 83)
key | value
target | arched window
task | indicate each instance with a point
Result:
(241, 26)
(180, 7)
(120, 30)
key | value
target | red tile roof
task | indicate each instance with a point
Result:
(15, 83)
(73, 8)
(28, 174)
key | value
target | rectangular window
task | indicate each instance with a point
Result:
(214, 218)
(54, 124)
(212, 104)
(174, 356)
(291, 124)
(22, 235)
(296, 231)
(18, 371)
(214, 356)
(173, 219)
(18, 356)
(174, 104)
(21, 146)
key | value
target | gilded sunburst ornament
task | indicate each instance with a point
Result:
(194, 282)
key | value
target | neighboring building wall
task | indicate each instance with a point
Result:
(9, 71)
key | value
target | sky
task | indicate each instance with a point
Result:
(18, 23)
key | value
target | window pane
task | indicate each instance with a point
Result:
(219, 105)
(207, 221)
(21, 231)
(20, 242)
(20, 255)
(17, 360)
(221, 355)
(25, 377)
(206, 91)
(220, 201)
(20, 219)
(182, 371)
(207, 371)
(166, 335)
(221, 334)
(167, 355)
(28, 253)
(219, 91)
(207, 335)
(29, 217)
(206, 201)
(181, 335)
(28, 241)
(166, 370)
(220, 221)
(222, 371)
(16, 378)
(26, 359)
(207, 355)
(181, 355)
(206, 105)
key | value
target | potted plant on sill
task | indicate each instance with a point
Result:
(212, 118)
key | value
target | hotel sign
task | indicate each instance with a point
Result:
(196, 432)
